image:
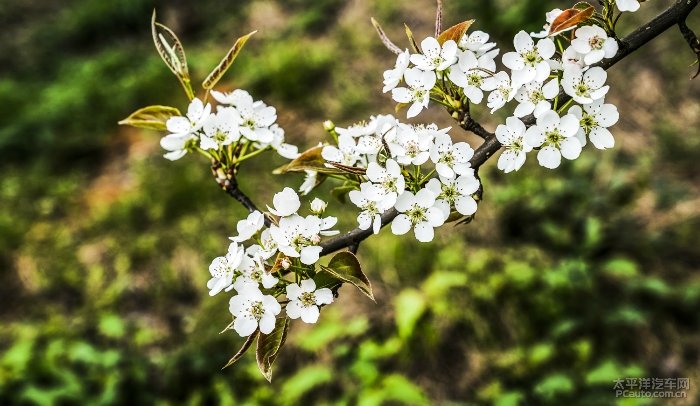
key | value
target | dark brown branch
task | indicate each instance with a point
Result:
(227, 180)
(692, 41)
(466, 121)
(642, 35)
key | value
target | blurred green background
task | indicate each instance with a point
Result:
(565, 281)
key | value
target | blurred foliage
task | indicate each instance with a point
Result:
(566, 281)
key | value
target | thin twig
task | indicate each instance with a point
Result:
(385, 39)
(438, 19)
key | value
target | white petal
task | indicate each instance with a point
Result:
(424, 232)
(466, 205)
(602, 138)
(323, 296)
(549, 157)
(294, 309)
(245, 326)
(310, 314)
(401, 225)
(571, 148)
(267, 323)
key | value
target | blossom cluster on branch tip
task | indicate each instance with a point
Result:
(238, 122)
(292, 241)
(455, 73)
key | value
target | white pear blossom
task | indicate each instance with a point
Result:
(285, 150)
(304, 300)
(593, 43)
(249, 226)
(530, 61)
(418, 212)
(345, 153)
(455, 193)
(220, 129)
(470, 74)
(450, 159)
(419, 83)
(253, 310)
(477, 42)
(585, 87)
(511, 136)
(370, 216)
(534, 98)
(386, 181)
(628, 5)
(435, 57)
(550, 17)
(255, 117)
(572, 58)
(393, 77)
(223, 269)
(285, 203)
(253, 269)
(556, 136)
(298, 237)
(409, 147)
(182, 129)
(594, 120)
(501, 90)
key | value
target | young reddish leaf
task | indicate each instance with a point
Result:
(248, 342)
(570, 18)
(269, 346)
(344, 266)
(151, 117)
(455, 32)
(226, 63)
(311, 160)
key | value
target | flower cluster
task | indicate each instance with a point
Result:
(401, 161)
(256, 272)
(239, 121)
(453, 73)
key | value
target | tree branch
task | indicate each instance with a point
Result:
(692, 41)
(639, 37)
(465, 120)
(227, 180)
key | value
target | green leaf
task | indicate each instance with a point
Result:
(151, 117)
(409, 306)
(172, 52)
(344, 266)
(554, 385)
(216, 74)
(269, 346)
(412, 39)
(248, 342)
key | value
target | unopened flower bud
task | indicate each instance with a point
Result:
(318, 206)
(286, 263)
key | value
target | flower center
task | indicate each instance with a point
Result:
(412, 148)
(474, 79)
(588, 122)
(449, 193)
(308, 299)
(536, 96)
(596, 42)
(447, 159)
(553, 138)
(532, 57)
(257, 310)
(416, 214)
(582, 89)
